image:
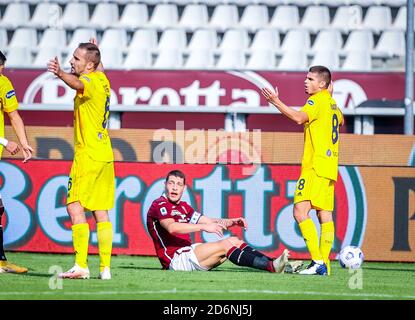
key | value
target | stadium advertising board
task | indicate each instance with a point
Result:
(374, 206)
(195, 146)
(207, 88)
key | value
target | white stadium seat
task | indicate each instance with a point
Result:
(224, 16)
(261, 60)
(46, 15)
(169, 59)
(164, 16)
(285, 18)
(235, 39)
(15, 15)
(75, 15)
(194, 16)
(144, 38)
(45, 54)
(53, 38)
(293, 60)
(200, 59)
(138, 58)
(19, 57)
(204, 39)
(377, 19)
(266, 39)
(347, 18)
(231, 59)
(391, 43)
(105, 15)
(359, 40)
(254, 16)
(296, 40)
(172, 39)
(80, 35)
(111, 57)
(357, 60)
(329, 39)
(135, 15)
(400, 19)
(3, 38)
(328, 58)
(316, 18)
(24, 37)
(114, 38)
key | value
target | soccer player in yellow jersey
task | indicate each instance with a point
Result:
(9, 105)
(315, 188)
(91, 185)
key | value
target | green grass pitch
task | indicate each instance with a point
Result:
(141, 278)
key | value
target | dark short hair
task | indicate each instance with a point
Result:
(176, 173)
(323, 72)
(92, 53)
(2, 58)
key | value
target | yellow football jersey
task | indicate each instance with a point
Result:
(321, 135)
(91, 114)
(8, 102)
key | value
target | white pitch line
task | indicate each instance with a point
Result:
(175, 291)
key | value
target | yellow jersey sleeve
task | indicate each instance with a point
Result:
(88, 86)
(311, 109)
(8, 96)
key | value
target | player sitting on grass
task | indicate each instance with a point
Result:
(170, 222)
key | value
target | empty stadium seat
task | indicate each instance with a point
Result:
(235, 39)
(359, 40)
(15, 15)
(296, 40)
(347, 18)
(138, 58)
(194, 16)
(293, 60)
(169, 59)
(46, 15)
(45, 54)
(200, 59)
(75, 15)
(19, 57)
(144, 38)
(80, 35)
(114, 38)
(111, 57)
(224, 16)
(391, 43)
(105, 15)
(172, 39)
(53, 38)
(327, 58)
(3, 38)
(316, 18)
(204, 39)
(164, 16)
(330, 39)
(24, 37)
(400, 19)
(135, 15)
(377, 19)
(357, 60)
(261, 60)
(285, 18)
(266, 39)
(254, 16)
(231, 59)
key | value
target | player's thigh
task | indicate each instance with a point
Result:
(103, 194)
(322, 195)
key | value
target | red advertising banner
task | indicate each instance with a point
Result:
(208, 88)
(34, 195)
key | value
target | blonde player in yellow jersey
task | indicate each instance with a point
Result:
(91, 185)
(315, 188)
(9, 105)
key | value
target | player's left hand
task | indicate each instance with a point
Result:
(27, 152)
(270, 95)
(54, 67)
(240, 222)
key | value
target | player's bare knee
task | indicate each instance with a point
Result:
(300, 214)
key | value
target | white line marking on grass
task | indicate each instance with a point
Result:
(175, 291)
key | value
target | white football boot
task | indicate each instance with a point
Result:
(105, 274)
(76, 272)
(315, 268)
(280, 263)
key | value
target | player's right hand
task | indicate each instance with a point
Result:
(270, 95)
(12, 147)
(27, 152)
(54, 67)
(214, 228)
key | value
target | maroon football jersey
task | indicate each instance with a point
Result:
(165, 243)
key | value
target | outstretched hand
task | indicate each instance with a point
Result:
(270, 95)
(54, 67)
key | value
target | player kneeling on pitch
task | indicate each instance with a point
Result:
(170, 222)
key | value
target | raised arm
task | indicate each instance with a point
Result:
(226, 223)
(71, 80)
(272, 97)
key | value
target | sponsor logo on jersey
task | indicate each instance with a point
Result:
(310, 102)
(10, 94)
(163, 211)
(328, 153)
